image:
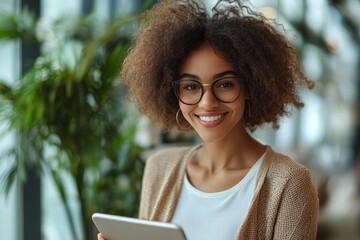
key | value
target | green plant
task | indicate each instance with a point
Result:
(69, 108)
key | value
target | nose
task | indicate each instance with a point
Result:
(208, 100)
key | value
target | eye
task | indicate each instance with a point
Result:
(192, 87)
(189, 86)
(226, 83)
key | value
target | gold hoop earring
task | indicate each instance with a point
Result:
(178, 122)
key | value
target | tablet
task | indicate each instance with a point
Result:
(114, 227)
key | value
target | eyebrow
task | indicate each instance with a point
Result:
(216, 76)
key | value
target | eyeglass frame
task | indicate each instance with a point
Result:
(175, 85)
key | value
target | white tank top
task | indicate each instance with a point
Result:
(215, 215)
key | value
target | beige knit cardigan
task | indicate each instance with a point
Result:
(284, 206)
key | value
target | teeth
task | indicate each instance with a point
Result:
(210, 118)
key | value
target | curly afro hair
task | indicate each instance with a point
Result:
(261, 55)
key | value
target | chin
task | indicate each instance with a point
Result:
(208, 138)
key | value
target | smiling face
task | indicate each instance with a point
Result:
(211, 118)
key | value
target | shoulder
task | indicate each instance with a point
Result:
(282, 166)
(164, 162)
(167, 157)
(169, 154)
(291, 178)
(281, 173)
(284, 180)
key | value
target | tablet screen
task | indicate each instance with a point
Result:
(114, 227)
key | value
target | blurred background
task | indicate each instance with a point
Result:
(71, 145)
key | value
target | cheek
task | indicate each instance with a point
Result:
(239, 109)
(241, 113)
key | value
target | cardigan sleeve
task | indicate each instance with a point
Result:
(298, 209)
(151, 185)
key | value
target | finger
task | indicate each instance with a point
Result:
(100, 237)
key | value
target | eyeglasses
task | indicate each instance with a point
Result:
(190, 92)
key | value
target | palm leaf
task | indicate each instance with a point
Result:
(18, 26)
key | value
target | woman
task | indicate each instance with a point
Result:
(222, 74)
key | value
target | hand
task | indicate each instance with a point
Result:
(100, 237)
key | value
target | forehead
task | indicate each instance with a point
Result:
(204, 63)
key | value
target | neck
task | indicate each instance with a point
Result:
(239, 153)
